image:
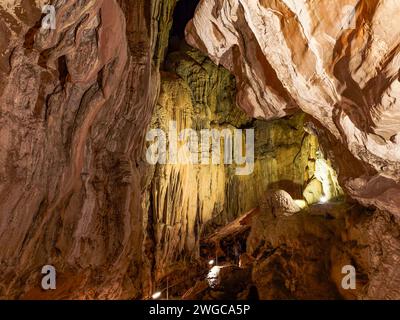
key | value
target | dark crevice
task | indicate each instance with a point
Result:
(29, 40)
(62, 70)
(183, 13)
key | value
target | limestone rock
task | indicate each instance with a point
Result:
(75, 103)
(338, 61)
(188, 201)
(313, 192)
(280, 203)
(76, 190)
(302, 256)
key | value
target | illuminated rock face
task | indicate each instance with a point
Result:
(187, 201)
(338, 61)
(75, 103)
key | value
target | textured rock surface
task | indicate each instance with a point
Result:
(301, 256)
(280, 203)
(336, 60)
(75, 103)
(187, 201)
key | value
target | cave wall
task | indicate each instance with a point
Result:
(75, 191)
(302, 255)
(338, 61)
(185, 202)
(75, 103)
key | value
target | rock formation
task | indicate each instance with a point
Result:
(75, 103)
(302, 256)
(186, 202)
(318, 81)
(335, 60)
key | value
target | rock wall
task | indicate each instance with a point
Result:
(302, 255)
(338, 61)
(75, 103)
(187, 201)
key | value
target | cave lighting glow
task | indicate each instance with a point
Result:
(156, 295)
(323, 174)
(211, 262)
(323, 199)
(212, 277)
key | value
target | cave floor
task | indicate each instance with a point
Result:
(261, 257)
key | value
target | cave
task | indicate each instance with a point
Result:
(199, 150)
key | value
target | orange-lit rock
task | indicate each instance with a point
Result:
(75, 103)
(336, 60)
(75, 190)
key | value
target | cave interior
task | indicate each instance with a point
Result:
(200, 150)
